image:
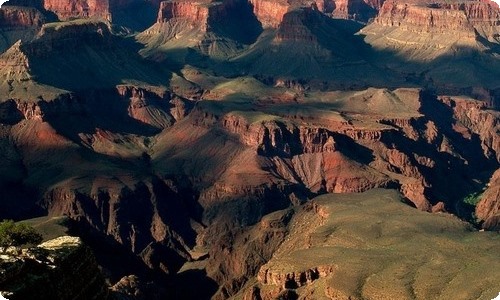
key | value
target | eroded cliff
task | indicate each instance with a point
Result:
(334, 250)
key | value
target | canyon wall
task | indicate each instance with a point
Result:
(11, 17)
(71, 9)
(196, 14)
(270, 13)
(462, 18)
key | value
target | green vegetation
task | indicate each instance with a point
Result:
(472, 199)
(17, 234)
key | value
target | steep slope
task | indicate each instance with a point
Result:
(448, 46)
(299, 42)
(215, 29)
(346, 247)
(239, 109)
(19, 23)
(309, 46)
(270, 13)
(67, 57)
(123, 13)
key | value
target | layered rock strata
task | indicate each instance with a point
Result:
(465, 19)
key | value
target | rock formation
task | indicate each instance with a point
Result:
(193, 148)
(269, 13)
(464, 19)
(63, 268)
(65, 9)
(11, 17)
(326, 239)
(488, 208)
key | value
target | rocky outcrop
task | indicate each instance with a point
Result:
(194, 13)
(337, 242)
(69, 9)
(156, 108)
(198, 14)
(155, 214)
(270, 13)
(360, 10)
(245, 250)
(295, 25)
(480, 120)
(294, 279)
(280, 138)
(488, 208)
(78, 9)
(62, 268)
(159, 109)
(462, 18)
(56, 38)
(12, 17)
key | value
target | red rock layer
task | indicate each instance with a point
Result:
(462, 17)
(68, 9)
(361, 10)
(475, 116)
(195, 14)
(270, 13)
(20, 17)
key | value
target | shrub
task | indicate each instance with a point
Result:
(17, 234)
(472, 199)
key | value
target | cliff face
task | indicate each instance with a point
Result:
(68, 9)
(270, 13)
(360, 10)
(196, 14)
(20, 17)
(19, 23)
(62, 268)
(295, 26)
(204, 15)
(480, 120)
(59, 38)
(462, 18)
(488, 208)
(156, 230)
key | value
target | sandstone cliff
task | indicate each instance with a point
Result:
(65, 9)
(270, 13)
(466, 20)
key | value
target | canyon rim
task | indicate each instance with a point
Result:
(254, 149)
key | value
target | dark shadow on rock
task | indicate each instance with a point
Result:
(9, 113)
(128, 19)
(192, 285)
(240, 24)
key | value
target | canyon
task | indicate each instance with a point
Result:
(208, 142)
